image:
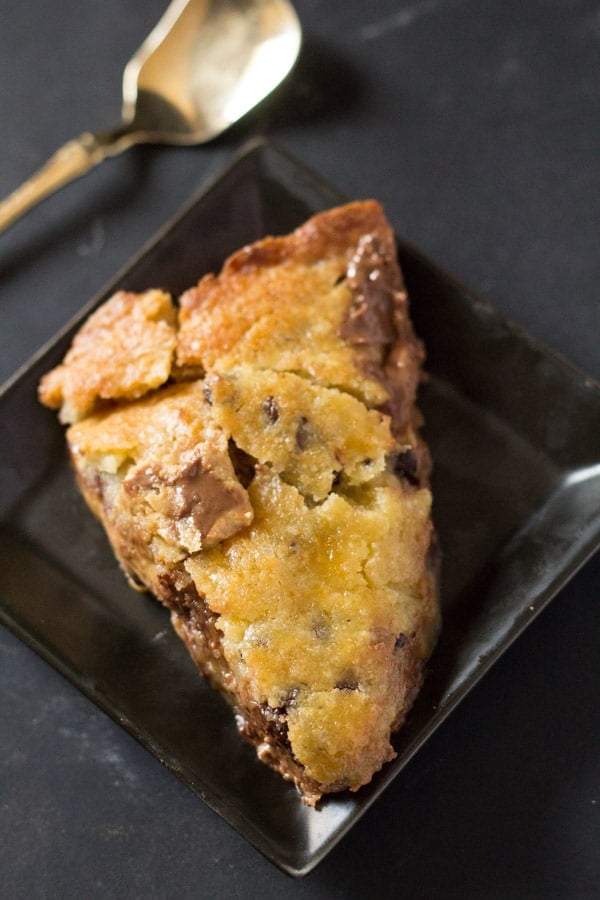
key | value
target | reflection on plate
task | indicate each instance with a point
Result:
(517, 494)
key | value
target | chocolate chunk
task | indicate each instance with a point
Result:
(400, 641)
(204, 497)
(205, 491)
(271, 410)
(243, 464)
(347, 684)
(302, 433)
(405, 465)
(377, 293)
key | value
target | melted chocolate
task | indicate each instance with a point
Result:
(377, 321)
(376, 286)
(195, 491)
(204, 496)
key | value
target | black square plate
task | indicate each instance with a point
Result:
(516, 444)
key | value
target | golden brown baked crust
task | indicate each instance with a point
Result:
(258, 468)
(124, 350)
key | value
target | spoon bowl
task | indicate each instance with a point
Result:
(201, 69)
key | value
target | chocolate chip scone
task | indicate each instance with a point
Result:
(254, 457)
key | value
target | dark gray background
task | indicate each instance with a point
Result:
(477, 125)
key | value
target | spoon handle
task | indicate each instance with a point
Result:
(73, 159)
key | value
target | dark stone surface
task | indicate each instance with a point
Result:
(477, 126)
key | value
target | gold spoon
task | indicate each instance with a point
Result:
(204, 65)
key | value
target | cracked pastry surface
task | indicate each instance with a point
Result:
(253, 453)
